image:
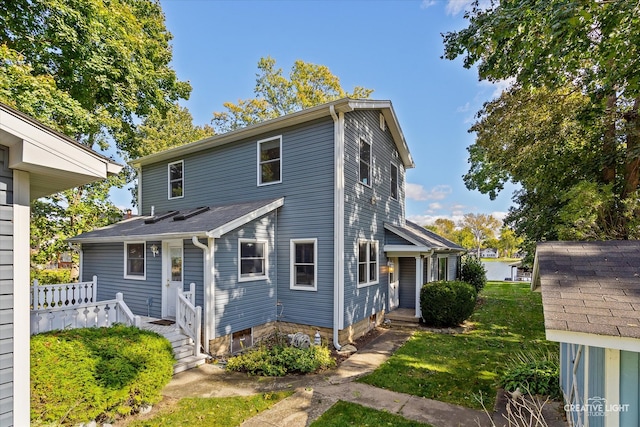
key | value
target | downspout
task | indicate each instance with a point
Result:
(208, 287)
(338, 225)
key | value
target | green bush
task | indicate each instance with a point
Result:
(79, 375)
(278, 360)
(447, 303)
(473, 272)
(51, 277)
(535, 373)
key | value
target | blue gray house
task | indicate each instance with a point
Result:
(591, 301)
(298, 221)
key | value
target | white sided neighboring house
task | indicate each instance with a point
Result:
(35, 161)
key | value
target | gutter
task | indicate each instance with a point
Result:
(338, 224)
(208, 288)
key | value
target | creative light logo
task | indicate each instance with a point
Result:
(596, 407)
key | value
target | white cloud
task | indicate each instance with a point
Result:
(499, 86)
(418, 192)
(435, 206)
(454, 7)
(427, 4)
(466, 107)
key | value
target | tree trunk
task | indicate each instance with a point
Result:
(632, 160)
(609, 141)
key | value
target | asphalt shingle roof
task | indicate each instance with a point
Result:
(590, 287)
(211, 219)
(423, 236)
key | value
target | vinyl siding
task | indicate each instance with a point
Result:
(364, 219)
(630, 388)
(243, 304)
(393, 239)
(6, 289)
(228, 174)
(596, 381)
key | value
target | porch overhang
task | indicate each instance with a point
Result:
(406, 250)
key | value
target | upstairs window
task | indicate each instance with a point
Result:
(304, 267)
(367, 262)
(270, 161)
(176, 179)
(365, 162)
(134, 261)
(394, 181)
(253, 259)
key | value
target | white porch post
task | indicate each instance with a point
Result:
(419, 283)
(21, 291)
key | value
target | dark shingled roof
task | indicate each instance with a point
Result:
(423, 236)
(164, 224)
(590, 287)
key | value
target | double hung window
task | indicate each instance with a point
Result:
(176, 179)
(365, 162)
(270, 161)
(367, 262)
(304, 264)
(134, 260)
(253, 259)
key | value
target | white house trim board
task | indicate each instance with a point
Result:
(612, 385)
(21, 297)
(245, 219)
(419, 282)
(594, 340)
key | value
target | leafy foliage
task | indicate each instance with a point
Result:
(276, 95)
(51, 277)
(96, 373)
(533, 372)
(570, 120)
(473, 272)
(447, 303)
(481, 226)
(277, 359)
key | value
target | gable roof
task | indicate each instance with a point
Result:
(420, 236)
(211, 221)
(589, 288)
(342, 105)
(55, 161)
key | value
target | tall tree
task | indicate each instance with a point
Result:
(276, 95)
(569, 52)
(90, 69)
(482, 227)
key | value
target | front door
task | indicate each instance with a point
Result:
(172, 266)
(394, 291)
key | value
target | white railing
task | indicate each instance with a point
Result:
(191, 294)
(63, 295)
(188, 317)
(96, 314)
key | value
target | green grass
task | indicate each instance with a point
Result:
(350, 414)
(454, 368)
(213, 412)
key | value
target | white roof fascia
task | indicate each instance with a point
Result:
(274, 125)
(406, 248)
(239, 222)
(594, 340)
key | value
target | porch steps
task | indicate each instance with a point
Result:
(402, 318)
(184, 352)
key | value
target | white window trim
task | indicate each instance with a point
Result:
(383, 123)
(169, 180)
(292, 260)
(126, 258)
(363, 139)
(266, 261)
(397, 181)
(368, 282)
(259, 164)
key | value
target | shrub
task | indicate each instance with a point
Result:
(473, 272)
(535, 372)
(281, 359)
(446, 303)
(96, 373)
(51, 277)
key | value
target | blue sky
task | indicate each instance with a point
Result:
(393, 47)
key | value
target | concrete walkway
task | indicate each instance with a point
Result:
(314, 394)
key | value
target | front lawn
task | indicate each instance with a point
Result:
(454, 368)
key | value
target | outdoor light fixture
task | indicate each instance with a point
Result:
(154, 250)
